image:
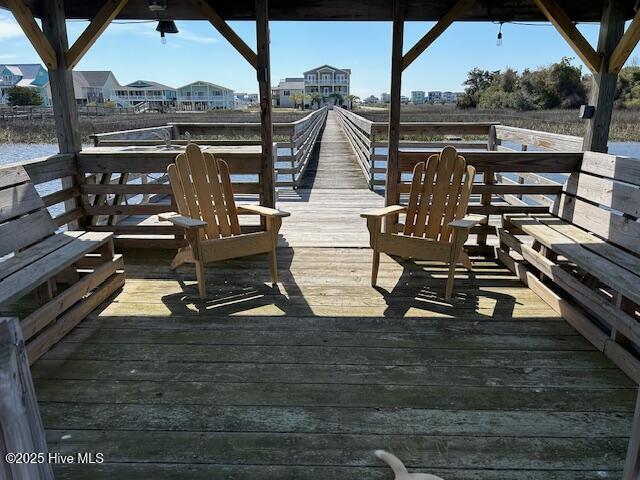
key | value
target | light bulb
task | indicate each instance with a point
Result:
(163, 39)
(499, 40)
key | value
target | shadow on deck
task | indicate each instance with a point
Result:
(305, 379)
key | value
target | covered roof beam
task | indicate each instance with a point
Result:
(557, 16)
(437, 30)
(626, 45)
(227, 32)
(27, 22)
(99, 23)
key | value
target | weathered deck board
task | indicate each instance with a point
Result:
(304, 380)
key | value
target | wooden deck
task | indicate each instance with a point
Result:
(305, 379)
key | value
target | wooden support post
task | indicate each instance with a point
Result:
(392, 195)
(65, 110)
(61, 79)
(632, 463)
(264, 87)
(604, 83)
(22, 429)
(27, 22)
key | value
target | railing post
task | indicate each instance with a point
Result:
(632, 463)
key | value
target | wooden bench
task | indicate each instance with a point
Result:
(583, 257)
(69, 273)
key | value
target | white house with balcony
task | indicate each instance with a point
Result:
(327, 80)
(202, 96)
(94, 86)
(156, 94)
(30, 75)
(288, 87)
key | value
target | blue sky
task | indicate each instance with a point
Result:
(133, 51)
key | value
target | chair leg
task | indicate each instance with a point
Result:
(202, 287)
(457, 242)
(374, 267)
(273, 264)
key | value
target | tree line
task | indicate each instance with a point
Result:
(560, 85)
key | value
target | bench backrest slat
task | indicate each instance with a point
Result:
(24, 220)
(604, 198)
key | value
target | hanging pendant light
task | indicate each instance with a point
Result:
(166, 26)
(499, 40)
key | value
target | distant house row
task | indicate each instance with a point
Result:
(330, 83)
(418, 97)
(103, 87)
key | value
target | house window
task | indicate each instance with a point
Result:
(311, 78)
(285, 93)
(326, 76)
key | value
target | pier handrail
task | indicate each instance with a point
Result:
(296, 140)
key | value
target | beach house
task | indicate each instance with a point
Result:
(417, 97)
(327, 80)
(32, 75)
(286, 89)
(157, 94)
(201, 96)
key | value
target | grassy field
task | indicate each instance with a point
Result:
(625, 125)
(43, 131)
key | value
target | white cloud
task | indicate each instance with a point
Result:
(9, 28)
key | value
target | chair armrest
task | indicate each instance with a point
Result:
(264, 211)
(383, 212)
(182, 221)
(467, 222)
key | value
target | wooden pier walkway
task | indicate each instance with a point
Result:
(325, 210)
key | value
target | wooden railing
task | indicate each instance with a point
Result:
(296, 140)
(368, 139)
(54, 178)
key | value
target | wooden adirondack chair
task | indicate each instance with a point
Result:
(207, 211)
(437, 224)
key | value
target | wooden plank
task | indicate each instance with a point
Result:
(535, 138)
(26, 279)
(538, 162)
(593, 243)
(565, 26)
(436, 128)
(48, 313)
(39, 250)
(625, 169)
(582, 294)
(24, 231)
(61, 196)
(435, 31)
(617, 195)
(22, 429)
(54, 333)
(27, 22)
(626, 45)
(100, 21)
(19, 200)
(227, 32)
(11, 175)
(608, 272)
(611, 226)
(68, 218)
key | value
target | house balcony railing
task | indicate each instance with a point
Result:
(327, 82)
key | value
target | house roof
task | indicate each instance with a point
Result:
(96, 78)
(329, 67)
(148, 84)
(415, 10)
(25, 70)
(201, 82)
(291, 84)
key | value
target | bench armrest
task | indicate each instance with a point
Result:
(467, 222)
(182, 221)
(263, 211)
(384, 212)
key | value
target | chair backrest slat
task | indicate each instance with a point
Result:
(24, 220)
(439, 193)
(426, 190)
(218, 198)
(227, 190)
(202, 190)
